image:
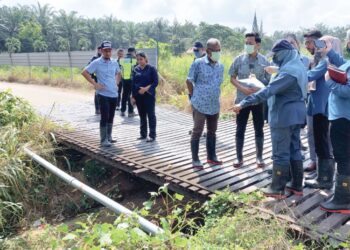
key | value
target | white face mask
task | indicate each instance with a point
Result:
(215, 56)
(249, 49)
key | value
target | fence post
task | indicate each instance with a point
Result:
(70, 65)
(48, 55)
(10, 54)
(30, 66)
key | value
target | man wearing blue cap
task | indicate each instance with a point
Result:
(108, 75)
(198, 50)
(287, 112)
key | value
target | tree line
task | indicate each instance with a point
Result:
(29, 28)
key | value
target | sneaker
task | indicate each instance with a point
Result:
(132, 114)
(197, 165)
(150, 139)
(122, 113)
(141, 138)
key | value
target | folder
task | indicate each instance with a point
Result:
(337, 75)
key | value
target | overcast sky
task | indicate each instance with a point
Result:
(276, 14)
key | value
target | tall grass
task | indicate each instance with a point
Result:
(19, 127)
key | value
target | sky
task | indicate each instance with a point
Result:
(275, 14)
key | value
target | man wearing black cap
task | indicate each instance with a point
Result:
(128, 63)
(198, 50)
(287, 112)
(108, 75)
(96, 101)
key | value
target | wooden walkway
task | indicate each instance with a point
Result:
(168, 160)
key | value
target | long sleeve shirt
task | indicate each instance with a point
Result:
(144, 77)
(285, 99)
(318, 100)
(339, 98)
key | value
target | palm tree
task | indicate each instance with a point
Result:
(132, 33)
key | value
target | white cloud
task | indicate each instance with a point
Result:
(276, 14)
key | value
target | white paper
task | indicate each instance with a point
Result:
(253, 82)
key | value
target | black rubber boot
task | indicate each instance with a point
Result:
(340, 202)
(239, 152)
(325, 175)
(109, 133)
(104, 138)
(279, 181)
(196, 163)
(259, 144)
(297, 174)
(211, 151)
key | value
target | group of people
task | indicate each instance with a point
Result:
(297, 91)
(129, 80)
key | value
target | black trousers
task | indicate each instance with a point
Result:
(126, 97)
(146, 104)
(258, 121)
(108, 105)
(321, 136)
(120, 88)
(340, 137)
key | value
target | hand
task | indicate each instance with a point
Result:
(249, 90)
(327, 77)
(328, 42)
(142, 90)
(99, 86)
(271, 69)
(237, 108)
(133, 101)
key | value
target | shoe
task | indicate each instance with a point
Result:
(131, 114)
(197, 165)
(259, 145)
(279, 180)
(311, 167)
(340, 202)
(238, 163)
(122, 113)
(150, 139)
(297, 174)
(325, 175)
(141, 138)
(211, 151)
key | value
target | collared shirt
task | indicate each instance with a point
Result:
(206, 78)
(144, 77)
(106, 71)
(244, 65)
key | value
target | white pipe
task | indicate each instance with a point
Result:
(97, 196)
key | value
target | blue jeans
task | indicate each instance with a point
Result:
(286, 145)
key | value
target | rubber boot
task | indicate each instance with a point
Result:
(259, 144)
(325, 175)
(238, 163)
(109, 133)
(211, 151)
(340, 202)
(104, 138)
(297, 174)
(279, 180)
(196, 163)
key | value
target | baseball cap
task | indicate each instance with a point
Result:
(198, 45)
(106, 45)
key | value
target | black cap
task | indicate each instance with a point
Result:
(198, 45)
(282, 45)
(106, 45)
(313, 33)
(131, 49)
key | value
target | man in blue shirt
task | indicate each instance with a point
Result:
(339, 115)
(285, 95)
(108, 75)
(245, 65)
(318, 108)
(203, 81)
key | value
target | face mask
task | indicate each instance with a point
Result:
(197, 54)
(276, 60)
(215, 56)
(249, 49)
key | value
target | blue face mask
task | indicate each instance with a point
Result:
(277, 60)
(197, 54)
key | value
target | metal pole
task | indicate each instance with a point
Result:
(97, 196)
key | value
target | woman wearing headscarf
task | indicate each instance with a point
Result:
(144, 83)
(287, 112)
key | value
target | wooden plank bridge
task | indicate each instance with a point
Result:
(168, 160)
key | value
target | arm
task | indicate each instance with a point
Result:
(317, 72)
(154, 84)
(191, 78)
(275, 87)
(339, 89)
(233, 72)
(335, 58)
(88, 77)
